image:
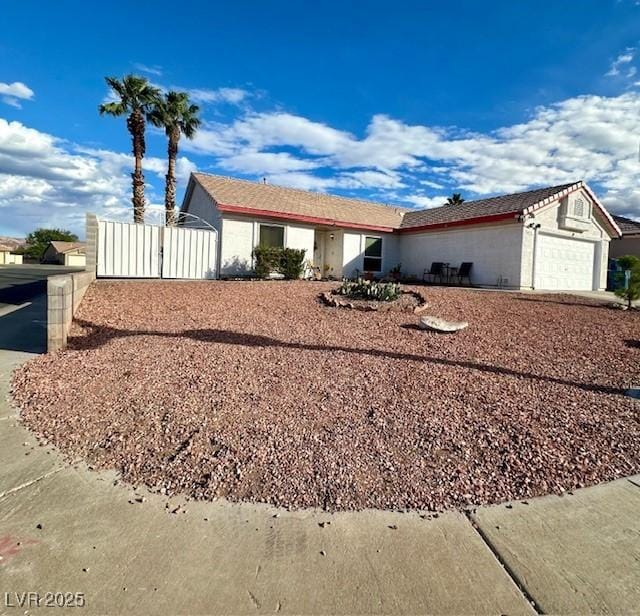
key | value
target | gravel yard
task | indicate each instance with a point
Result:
(255, 391)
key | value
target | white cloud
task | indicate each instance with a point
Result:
(260, 163)
(620, 62)
(150, 70)
(13, 93)
(45, 181)
(233, 96)
(585, 137)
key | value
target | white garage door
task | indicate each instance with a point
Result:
(564, 264)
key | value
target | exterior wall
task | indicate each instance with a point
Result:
(495, 252)
(353, 252)
(550, 220)
(201, 206)
(240, 236)
(75, 259)
(629, 245)
(8, 258)
(91, 243)
(51, 255)
(64, 294)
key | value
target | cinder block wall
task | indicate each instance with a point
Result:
(65, 292)
(91, 242)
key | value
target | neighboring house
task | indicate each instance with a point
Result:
(65, 253)
(550, 238)
(629, 243)
(9, 258)
(8, 246)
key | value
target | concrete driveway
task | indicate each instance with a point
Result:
(23, 306)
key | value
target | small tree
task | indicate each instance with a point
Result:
(38, 240)
(632, 290)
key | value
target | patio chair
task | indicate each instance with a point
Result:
(436, 272)
(465, 272)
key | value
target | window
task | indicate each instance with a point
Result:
(578, 207)
(372, 254)
(271, 236)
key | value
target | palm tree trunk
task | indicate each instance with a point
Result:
(170, 178)
(135, 124)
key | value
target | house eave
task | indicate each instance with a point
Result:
(309, 220)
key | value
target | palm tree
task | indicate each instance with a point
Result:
(136, 98)
(178, 117)
(455, 199)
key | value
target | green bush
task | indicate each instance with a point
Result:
(286, 261)
(632, 292)
(292, 263)
(268, 260)
(370, 290)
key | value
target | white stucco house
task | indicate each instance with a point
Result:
(554, 238)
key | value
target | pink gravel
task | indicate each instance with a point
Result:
(256, 391)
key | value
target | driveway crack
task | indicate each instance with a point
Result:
(30, 483)
(509, 571)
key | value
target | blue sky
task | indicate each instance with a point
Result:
(399, 102)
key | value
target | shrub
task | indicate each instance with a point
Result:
(268, 260)
(286, 261)
(632, 292)
(370, 290)
(292, 263)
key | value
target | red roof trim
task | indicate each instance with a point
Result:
(459, 223)
(240, 209)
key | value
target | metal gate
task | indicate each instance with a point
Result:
(130, 250)
(188, 253)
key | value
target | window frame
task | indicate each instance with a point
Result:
(366, 257)
(267, 224)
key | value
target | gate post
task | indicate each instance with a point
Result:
(91, 232)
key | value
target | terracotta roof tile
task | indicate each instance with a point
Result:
(63, 247)
(503, 204)
(277, 199)
(627, 225)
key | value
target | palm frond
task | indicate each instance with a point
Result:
(117, 108)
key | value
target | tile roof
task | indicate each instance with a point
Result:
(503, 204)
(259, 199)
(63, 247)
(627, 225)
(277, 199)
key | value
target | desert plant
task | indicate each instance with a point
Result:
(292, 263)
(286, 261)
(268, 259)
(177, 117)
(370, 290)
(136, 97)
(628, 290)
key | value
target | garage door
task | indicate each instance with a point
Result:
(564, 264)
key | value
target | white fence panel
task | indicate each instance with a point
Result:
(128, 250)
(189, 253)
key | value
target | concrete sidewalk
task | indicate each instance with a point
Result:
(65, 528)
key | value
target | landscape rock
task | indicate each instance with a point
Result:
(437, 324)
(255, 391)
